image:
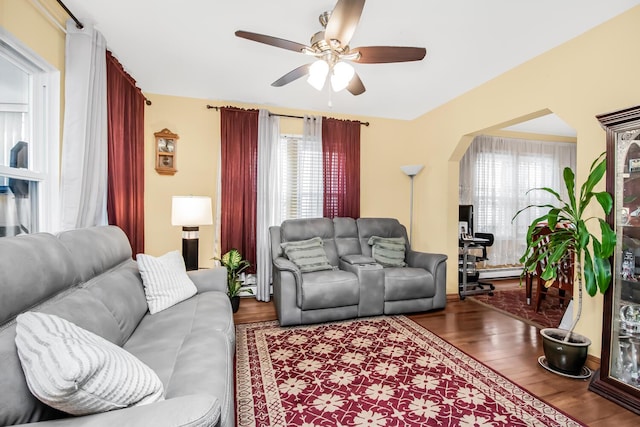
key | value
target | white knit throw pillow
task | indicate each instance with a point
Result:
(79, 372)
(165, 280)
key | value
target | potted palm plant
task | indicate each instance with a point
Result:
(235, 265)
(565, 350)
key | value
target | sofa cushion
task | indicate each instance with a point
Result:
(95, 250)
(191, 346)
(308, 255)
(80, 306)
(165, 280)
(328, 289)
(78, 372)
(33, 268)
(294, 230)
(388, 251)
(403, 283)
(346, 236)
(381, 227)
(121, 292)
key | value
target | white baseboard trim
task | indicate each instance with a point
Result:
(500, 273)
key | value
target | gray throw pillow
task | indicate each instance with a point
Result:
(308, 255)
(388, 251)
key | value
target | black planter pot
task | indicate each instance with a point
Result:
(566, 358)
(235, 303)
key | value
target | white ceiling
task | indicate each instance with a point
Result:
(188, 48)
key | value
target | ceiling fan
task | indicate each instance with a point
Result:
(331, 48)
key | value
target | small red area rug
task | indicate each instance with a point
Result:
(514, 303)
(383, 371)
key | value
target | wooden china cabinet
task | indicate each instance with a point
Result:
(619, 376)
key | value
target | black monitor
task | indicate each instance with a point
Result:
(465, 214)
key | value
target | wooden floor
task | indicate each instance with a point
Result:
(507, 345)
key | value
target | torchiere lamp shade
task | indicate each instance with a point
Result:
(411, 171)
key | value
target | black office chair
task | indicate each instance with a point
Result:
(489, 237)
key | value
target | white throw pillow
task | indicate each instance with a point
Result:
(79, 372)
(165, 280)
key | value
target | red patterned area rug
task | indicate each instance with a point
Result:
(514, 303)
(383, 371)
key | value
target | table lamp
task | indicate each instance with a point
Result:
(191, 212)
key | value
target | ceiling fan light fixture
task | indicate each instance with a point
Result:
(341, 76)
(318, 74)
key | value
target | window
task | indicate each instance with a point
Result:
(502, 178)
(301, 175)
(29, 140)
(496, 175)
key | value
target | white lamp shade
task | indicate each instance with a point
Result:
(318, 74)
(411, 170)
(191, 211)
(341, 76)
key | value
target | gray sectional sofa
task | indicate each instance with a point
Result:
(88, 277)
(356, 285)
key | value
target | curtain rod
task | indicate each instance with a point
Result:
(79, 24)
(213, 107)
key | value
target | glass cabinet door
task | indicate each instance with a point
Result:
(624, 363)
(619, 376)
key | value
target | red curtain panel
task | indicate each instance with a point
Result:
(341, 165)
(239, 172)
(125, 194)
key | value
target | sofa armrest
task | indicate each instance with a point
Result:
(371, 280)
(210, 279)
(357, 259)
(425, 260)
(284, 264)
(436, 264)
(192, 411)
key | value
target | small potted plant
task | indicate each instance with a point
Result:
(235, 265)
(565, 350)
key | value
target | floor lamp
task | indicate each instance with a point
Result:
(411, 171)
(191, 212)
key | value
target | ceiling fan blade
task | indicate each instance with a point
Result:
(385, 54)
(343, 21)
(292, 75)
(272, 41)
(356, 87)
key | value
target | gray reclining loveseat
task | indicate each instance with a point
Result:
(355, 281)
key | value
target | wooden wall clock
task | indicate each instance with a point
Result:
(166, 144)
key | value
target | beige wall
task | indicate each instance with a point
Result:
(28, 24)
(197, 164)
(592, 74)
(589, 75)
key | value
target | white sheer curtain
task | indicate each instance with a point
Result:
(310, 184)
(495, 175)
(84, 145)
(218, 221)
(268, 205)
(301, 174)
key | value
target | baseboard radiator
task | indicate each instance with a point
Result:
(499, 273)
